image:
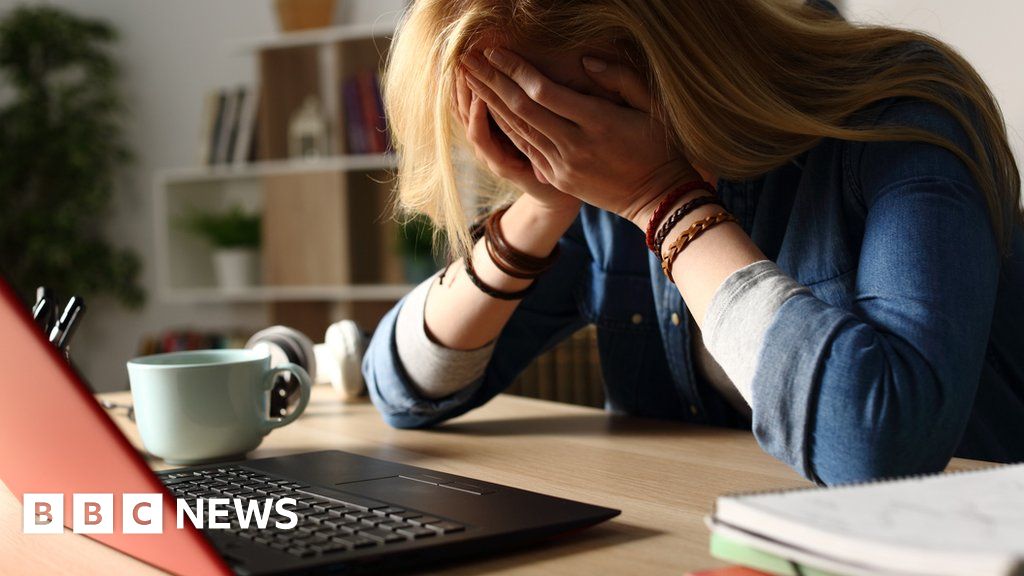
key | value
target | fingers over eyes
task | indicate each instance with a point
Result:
(563, 101)
(521, 126)
(515, 99)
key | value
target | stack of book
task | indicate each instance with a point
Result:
(570, 372)
(229, 126)
(939, 525)
(363, 123)
(178, 340)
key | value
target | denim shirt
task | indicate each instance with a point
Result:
(907, 350)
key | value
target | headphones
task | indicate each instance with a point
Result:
(337, 361)
(284, 344)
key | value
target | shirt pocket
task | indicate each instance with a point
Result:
(622, 308)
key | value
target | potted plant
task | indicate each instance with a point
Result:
(235, 236)
(61, 147)
(416, 247)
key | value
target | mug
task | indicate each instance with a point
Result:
(198, 406)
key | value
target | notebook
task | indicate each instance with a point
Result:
(948, 524)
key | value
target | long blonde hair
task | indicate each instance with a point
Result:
(744, 86)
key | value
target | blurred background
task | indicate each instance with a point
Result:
(200, 170)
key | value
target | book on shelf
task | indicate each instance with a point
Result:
(243, 147)
(229, 125)
(230, 121)
(176, 340)
(365, 128)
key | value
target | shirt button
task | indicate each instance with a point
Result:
(637, 318)
(675, 319)
(693, 409)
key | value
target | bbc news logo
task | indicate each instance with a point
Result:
(143, 513)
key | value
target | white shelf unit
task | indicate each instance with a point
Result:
(383, 28)
(184, 265)
(291, 66)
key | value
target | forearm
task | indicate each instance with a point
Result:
(457, 314)
(705, 264)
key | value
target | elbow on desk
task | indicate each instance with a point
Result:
(899, 422)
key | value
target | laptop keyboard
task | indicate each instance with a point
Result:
(329, 522)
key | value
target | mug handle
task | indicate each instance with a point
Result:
(305, 386)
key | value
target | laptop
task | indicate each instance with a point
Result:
(354, 514)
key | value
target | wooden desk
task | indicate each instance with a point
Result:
(663, 476)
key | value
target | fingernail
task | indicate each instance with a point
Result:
(498, 56)
(594, 64)
(473, 62)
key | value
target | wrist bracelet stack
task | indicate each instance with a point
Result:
(656, 235)
(515, 263)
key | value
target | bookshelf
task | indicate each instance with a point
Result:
(329, 247)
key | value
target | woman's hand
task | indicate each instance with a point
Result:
(619, 158)
(501, 156)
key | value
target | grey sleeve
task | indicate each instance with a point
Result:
(435, 370)
(740, 313)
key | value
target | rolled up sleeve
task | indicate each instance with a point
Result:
(547, 316)
(886, 388)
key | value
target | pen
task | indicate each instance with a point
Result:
(44, 312)
(61, 334)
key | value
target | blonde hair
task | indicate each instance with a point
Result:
(744, 86)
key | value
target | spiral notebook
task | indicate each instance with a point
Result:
(946, 524)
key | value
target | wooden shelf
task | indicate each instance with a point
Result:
(347, 163)
(258, 294)
(382, 28)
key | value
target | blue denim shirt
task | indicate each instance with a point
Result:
(909, 348)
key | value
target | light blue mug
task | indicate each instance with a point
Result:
(206, 405)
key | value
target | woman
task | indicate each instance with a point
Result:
(851, 286)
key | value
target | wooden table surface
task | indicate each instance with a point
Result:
(664, 477)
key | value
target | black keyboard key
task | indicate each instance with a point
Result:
(379, 535)
(330, 547)
(355, 541)
(302, 552)
(374, 520)
(424, 520)
(408, 514)
(360, 515)
(416, 532)
(390, 510)
(320, 517)
(280, 545)
(393, 525)
(447, 526)
(334, 522)
(168, 481)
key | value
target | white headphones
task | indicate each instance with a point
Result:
(337, 361)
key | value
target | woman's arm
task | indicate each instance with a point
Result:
(426, 358)
(882, 390)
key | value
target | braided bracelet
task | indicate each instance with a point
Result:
(677, 217)
(689, 235)
(492, 291)
(670, 199)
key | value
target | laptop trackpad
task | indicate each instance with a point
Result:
(418, 495)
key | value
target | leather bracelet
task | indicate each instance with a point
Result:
(492, 291)
(677, 217)
(667, 202)
(509, 260)
(688, 236)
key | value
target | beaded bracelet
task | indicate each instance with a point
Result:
(689, 235)
(677, 217)
(667, 202)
